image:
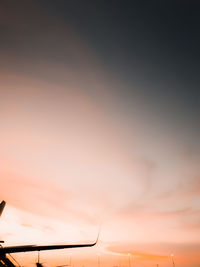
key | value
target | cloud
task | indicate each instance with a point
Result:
(159, 252)
(138, 256)
(32, 194)
(40, 197)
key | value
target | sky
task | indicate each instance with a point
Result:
(99, 125)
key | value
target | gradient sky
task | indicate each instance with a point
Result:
(99, 123)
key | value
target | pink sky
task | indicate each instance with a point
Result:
(68, 165)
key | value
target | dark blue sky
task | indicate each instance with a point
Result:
(149, 49)
(144, 41)
(150, 46)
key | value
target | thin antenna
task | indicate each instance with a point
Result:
(129, 259)
(172, 257)
(38, 256)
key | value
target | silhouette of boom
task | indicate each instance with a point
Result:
(6, 262)
(17, 249)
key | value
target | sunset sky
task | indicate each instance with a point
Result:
(100, 125)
